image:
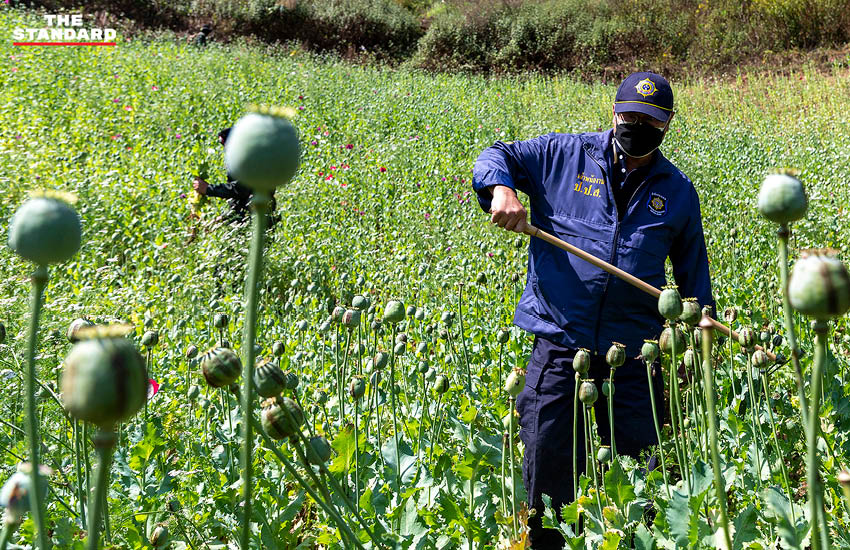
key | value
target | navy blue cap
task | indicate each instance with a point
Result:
(647, 93)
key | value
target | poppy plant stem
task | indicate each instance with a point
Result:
(260, 205)
(104, 443)
(657, 427)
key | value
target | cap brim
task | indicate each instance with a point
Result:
(640, 107)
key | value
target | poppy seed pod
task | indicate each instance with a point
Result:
(603, 455)
(670, 303)
(281, 418)
(690, 359)
(422, 348)
(747, 338)
(819, 286)
(782, 198)
(262, 149)
(336, 314)
(380, 360)
(220, 320)
(607, 388)
(319, 450)
(587, 392)
(193, 392)
(360, 302)
(760, 359)
(730, 314)
(691, 312)
(503, 336)
(269, 379)
(649, 351)
(441, 384)
(159, 537)
(357, 388)
(581, 361)
(104, 381)
(351, 318)
(422, 367)
(420, 314)
(447, 318)
(74, 329)
(400, 338)
(515, 382)
(394, 312)
(220, 367)
(278, 349)
(45, 231)
(15, 494)
(665, 342)
(616, 355)
(509, 420)
(191, 352)
(150, 338)
(399, 348)
(292, 381)
(411, 311)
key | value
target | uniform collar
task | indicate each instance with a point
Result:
(597, 145)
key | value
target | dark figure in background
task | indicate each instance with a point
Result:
(238, 195)
(200, 39)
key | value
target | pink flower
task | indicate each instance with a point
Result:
(301, 97)
(116, 100)
(343, 185)
(349, 146)
(326, 133)
(178, 136)
(182, 195)
(383, 169)
(489, 254)
(300, 107)
(345, 166)
(155, 88)
(333, 167)
(330, 177)
(127, 108)
(153, 387)
(427, 215)
(14, 69)
(314, 142)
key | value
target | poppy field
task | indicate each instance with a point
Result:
(373, 319)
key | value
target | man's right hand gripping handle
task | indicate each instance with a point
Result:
(506, 210)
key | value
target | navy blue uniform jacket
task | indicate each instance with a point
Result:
(567, 179)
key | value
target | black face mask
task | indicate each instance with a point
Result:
(638, 139)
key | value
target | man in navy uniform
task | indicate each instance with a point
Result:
(614, 195)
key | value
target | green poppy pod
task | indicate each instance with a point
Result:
(420, 314)
(690, 359)
(351, 318)
(357, 388)
(691, 312)
(104, 381)
(394, 312)
(441, 384)
(670, 303)
(150, 338)
(319, 450)
(380, 360)
(587, 392)
(2, 333)
(616, 355)
(45, 231)
(782, 198)
(581, 361)
(400, 348)
(302, 325)
(649, 351)
(159, 537)
(515, 382)
(262, 150)
(509, 420)
(400, 338)
(819, 286)
(337, 313)
(220, 321)
(730, 314)
(447, 318)
(220, 367)
(503, 336)
(422, 348)
(321, 397)
(422, 367)
(760, 359)
(481, 279)
(281, 418)
(278, 349)
(15, 494)
(747, 338)
(411, 311)
(665, 342)
(360, 302)
(193, 392)
(603, 455)
(269, 379)
(292, 381)
(430, 375)
(191, 352)
(607, 388)
(324, 326)
(74, 329)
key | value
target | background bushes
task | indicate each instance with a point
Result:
(587, 36)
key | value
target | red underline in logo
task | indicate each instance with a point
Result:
(64, 43)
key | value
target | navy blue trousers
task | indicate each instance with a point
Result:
(545, 409)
